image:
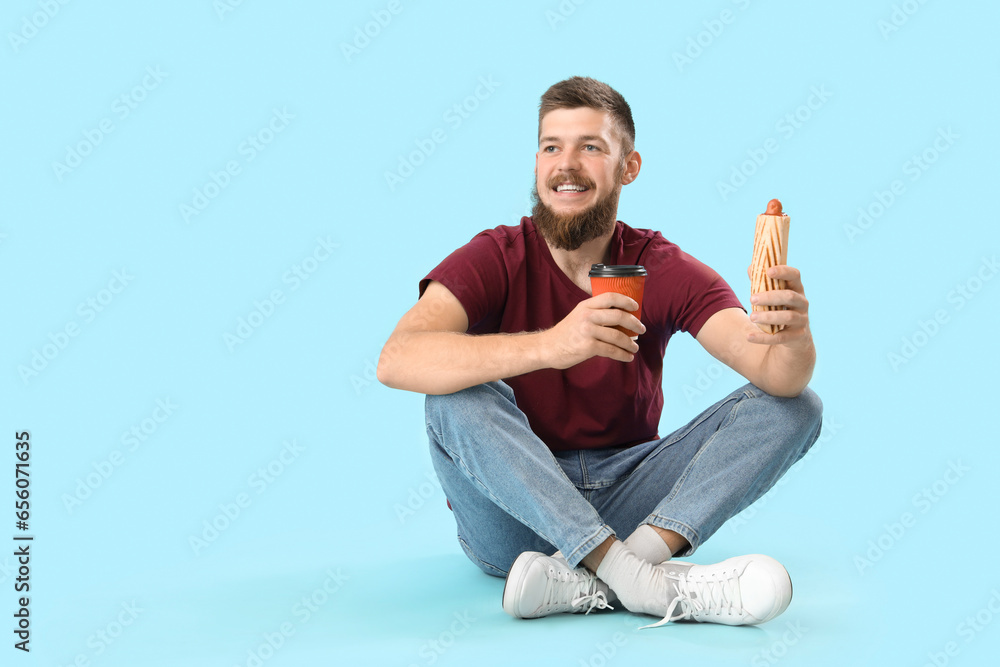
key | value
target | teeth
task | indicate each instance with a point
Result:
(570, 188)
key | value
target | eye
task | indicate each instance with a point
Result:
(548, 149)
(592, 146)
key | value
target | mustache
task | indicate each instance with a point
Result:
(574, 179)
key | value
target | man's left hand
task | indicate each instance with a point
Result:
(795, 317)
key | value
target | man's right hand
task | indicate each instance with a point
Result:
(429, 351)
(587, 332)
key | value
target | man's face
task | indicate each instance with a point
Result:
(578, 177)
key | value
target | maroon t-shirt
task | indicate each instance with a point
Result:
(508, 282)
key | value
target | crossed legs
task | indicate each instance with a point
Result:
(511, 494)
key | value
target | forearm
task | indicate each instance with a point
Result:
(786, 370)
(443, 362)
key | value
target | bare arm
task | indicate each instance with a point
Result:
(781, 364)
(429, 351)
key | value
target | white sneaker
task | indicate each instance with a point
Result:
(539, 585)
(745, 590)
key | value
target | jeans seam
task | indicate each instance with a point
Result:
(489, 494)
(694, 459)
(679, 527)
(584, 476)
(590, 544)
(473, 555)
(659, 449)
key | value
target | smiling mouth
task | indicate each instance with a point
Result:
(570, 187)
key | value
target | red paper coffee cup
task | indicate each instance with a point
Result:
(627, 279)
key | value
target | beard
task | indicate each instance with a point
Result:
(570, 231)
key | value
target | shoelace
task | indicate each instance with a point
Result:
(695, 597)
(596, 601)
(580, 592)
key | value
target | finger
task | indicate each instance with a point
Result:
(782, 337)
(788, 318)
(781, 297)
(616, 338)
(612, 317)
(613, 300)
(789, 274)
(614, 352)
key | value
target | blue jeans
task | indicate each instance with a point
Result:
(510, 493)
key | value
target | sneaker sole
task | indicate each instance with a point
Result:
(783, 600)
(514, 586)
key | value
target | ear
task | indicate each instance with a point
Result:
(632, 165)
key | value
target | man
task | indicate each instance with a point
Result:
(542, 417)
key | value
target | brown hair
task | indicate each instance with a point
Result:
(580, 91)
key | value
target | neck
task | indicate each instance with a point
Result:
(576, 263)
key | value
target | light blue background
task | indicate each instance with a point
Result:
(359, 500)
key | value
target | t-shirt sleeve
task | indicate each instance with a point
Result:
(477, 275)
(704, 293)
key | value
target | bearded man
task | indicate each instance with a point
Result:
(542, 416)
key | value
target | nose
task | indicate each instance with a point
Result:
(569, 160)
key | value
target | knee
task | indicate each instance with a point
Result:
(469, 403)
(792, 421)
(808, 417)
(809, 406)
